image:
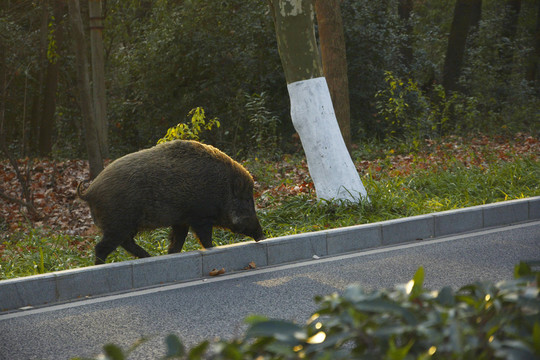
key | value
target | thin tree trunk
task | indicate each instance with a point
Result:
(508, 31)
(51, 84)
(405, 8)
(98, 74)
(3, 88)
(26, 196)
(334, 61)
(49, 106)
(330, 166)
(533, 70)
(85, 97)
(37, 100)
(466, 16)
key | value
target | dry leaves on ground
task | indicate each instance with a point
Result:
(53, 184)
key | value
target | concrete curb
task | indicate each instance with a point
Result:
(80, 283)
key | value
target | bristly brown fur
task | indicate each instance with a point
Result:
(182, 184)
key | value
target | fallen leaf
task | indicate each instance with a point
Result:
(216, 272)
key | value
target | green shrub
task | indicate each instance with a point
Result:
(479, 321)
(193, 130)
(167, 57)
(405, 112)
(404, 109)
(264, 124)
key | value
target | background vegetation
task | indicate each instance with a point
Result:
(446, 174)
(164, 58)
(418, 146)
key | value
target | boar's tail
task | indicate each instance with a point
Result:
(81, 188)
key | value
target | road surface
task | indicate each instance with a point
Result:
(216, 307)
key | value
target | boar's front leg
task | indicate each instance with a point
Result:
(203, 229)
(177, 237)
(134, 249)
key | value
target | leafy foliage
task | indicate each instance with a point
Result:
(478, 321)
(373, 33)
(405, 110)
(192, 131)
(186, 54)
(264, 124)
(163, 58)
(408, 113)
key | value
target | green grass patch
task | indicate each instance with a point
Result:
(40, 251)
(398, 186)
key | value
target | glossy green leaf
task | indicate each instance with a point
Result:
(113, 352)
(536, 338)
(175, 348)
(281, 330)
(446, 296)
(198, 351)
(398, 353)
(418, 284)
(522, 269)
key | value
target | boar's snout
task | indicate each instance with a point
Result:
(259, 235)
(244, 218)
(248, 226)
(254, 231)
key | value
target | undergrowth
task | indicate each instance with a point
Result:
(418, 183)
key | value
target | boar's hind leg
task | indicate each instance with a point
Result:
(111, 241)
(177, 237)
(107, 245)
(203, 229)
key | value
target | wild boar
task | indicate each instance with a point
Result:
(181, 184)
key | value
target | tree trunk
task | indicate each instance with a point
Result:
(297, 45)
(405, 8)
(330, 166)
(508, 31)
(85, 98)
(37, 99)
(533, 69)
(51, 82)
(334, 61)
(466, 16)
(3, 88)
(98, 74)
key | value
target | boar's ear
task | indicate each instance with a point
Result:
(239, 187)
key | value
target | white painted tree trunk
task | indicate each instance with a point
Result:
(330, 165)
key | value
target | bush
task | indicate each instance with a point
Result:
(372, 35)
(479, 321)
(193, 130)
(179, 55)
(263, 123)
(405, 112)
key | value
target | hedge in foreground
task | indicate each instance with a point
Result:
(479, 321)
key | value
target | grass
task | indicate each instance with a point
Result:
(412, 185)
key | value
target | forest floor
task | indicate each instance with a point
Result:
(53, 184)
(51, 206)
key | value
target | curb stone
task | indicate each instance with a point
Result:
(69, 285)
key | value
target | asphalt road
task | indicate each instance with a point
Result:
(216, 307)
